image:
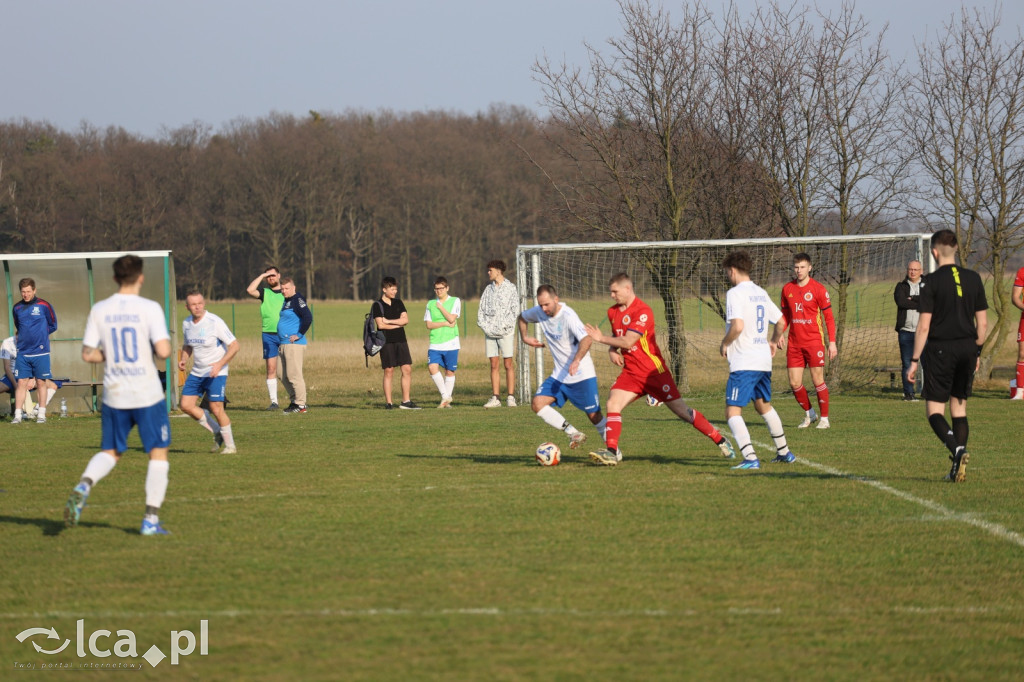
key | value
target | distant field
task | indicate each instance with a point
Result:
(353, 543)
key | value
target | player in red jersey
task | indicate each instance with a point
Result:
(1018, 301)
(804, 303)
(644, 372)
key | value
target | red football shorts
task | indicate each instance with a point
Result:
(805, 356)
(1020, 330)
(661, 387)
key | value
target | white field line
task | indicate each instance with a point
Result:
(482, 612)
(943, 512)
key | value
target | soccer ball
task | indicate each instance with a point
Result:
(548, 455)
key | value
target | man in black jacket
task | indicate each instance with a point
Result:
(907, 297)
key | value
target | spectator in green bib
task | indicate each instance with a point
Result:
(442, 319)
(271, 301)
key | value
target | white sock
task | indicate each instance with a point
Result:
(771, 418)
(229, 439)
(99, 466)
(156, 482)
(742, 437)
(41, 412)
(49, 397)
(18, 413)
(204, 421)
(438, 380)
(552, 418)
(601, 426)
(212, 422)
(449, 385)
(272, 389)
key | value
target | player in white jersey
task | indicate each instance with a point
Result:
(212, 345)
(124, 332)
(748, 312)
(573, 377)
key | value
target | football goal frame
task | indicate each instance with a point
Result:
(683, 283)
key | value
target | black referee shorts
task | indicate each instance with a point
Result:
(949, 369)
(395, 355)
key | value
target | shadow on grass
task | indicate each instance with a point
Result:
(469, 457)
(54, 527)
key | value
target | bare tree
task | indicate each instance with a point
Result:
(631, 124)
(967, 125)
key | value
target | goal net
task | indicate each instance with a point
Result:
(684, 285)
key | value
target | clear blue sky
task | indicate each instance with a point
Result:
(146, 64)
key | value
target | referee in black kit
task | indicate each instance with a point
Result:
(953, 324)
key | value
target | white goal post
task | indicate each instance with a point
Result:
(683, 282)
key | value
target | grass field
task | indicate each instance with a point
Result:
(352, 543)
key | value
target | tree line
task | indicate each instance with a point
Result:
(790, 120)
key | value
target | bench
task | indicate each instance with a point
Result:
(93, 387)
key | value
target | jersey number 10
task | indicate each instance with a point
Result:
(124, 344)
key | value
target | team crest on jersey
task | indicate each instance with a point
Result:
(626, 319)
(643, 319)
(808, 296)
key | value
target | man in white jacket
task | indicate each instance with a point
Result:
(497, 315)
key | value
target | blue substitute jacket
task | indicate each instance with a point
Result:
(35, 321)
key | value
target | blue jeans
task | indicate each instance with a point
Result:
(906, 354)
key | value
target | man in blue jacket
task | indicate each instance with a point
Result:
(34, 320)
(292, 326)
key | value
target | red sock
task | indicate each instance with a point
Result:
(1020, 375)
(704, 426)
(613, 430)
(822, 399)
(801, 397)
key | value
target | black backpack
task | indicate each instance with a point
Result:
(373, 338)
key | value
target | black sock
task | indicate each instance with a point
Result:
(961, 430)
(941, 428)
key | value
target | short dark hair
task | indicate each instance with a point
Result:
(274, 268)
(441, 280)
(738, 260)
(388, 282)
(193, 292)
(546, 289)
(618, 278)
(27, 282)
(127, 269)
(802, 257)
(287, 280)
(944, 238)
(497, 265)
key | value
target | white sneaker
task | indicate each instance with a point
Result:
(16, 420)
(446, 401)
(493, 402)
(511, 401)
(809, 418)
(823, 424)
(576, 439)
(40, 419)
(229, 450)
(618, 455)
(1019, 395)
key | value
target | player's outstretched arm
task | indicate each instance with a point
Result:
(735, 329)
(1018, 297)
(254, 286)
(93, 355)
